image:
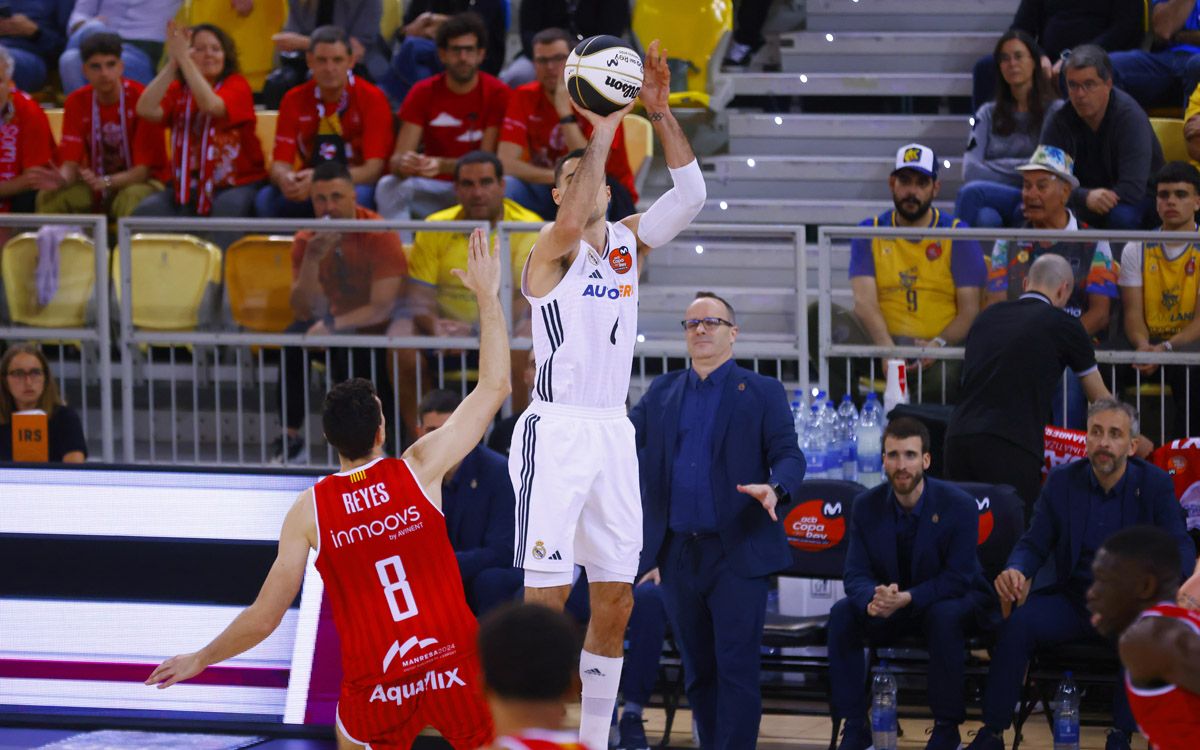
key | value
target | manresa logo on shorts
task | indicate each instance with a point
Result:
(815, 525)
(627, 89)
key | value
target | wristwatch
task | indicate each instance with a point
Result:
(781, 493)
(567, 120)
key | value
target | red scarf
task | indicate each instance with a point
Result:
(182, 143)
(98, 139)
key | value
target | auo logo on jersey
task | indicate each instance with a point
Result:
(434, 679)
(611, 292)
(394, 524)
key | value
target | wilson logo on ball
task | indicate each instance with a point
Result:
(603, 74)
(625, 87)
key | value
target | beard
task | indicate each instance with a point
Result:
(905, 208)
(905, 484)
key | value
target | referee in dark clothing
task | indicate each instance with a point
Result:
(1015, 355)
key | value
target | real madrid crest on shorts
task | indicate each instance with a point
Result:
(539, 550)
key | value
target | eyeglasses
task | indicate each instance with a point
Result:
(709, 323)
(35, 374)
(552, 60)
(1086, 87)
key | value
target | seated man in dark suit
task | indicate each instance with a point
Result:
(477, 498)
(1081, 505)
(911, 568)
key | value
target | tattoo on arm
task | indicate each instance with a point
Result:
(656, 116)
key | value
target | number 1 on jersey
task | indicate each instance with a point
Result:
(392, 577)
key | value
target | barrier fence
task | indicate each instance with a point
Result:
(212, 392)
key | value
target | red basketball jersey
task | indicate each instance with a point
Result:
(541, 739)
(408, 636)
(1168, 715)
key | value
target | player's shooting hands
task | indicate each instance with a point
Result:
(765, 496)
(176, 669)
(482, 275)
(656, 79)
(608, 122)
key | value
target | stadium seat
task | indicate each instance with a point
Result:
(639, 144)
(694, 41)
(258, 281)
(76, 282)
(55, 116)
(251, 34)
(1169, 132)
(171, 273)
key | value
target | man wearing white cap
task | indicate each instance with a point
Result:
(923, 291)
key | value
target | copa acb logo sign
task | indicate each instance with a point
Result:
(815, 525)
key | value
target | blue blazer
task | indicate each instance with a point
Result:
(754, 441)
(1060, 516)
(945, 564)
(479, 506)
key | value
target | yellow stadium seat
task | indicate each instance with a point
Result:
(55, 117)
(258, 280)
(391, 19)
(251, 35)
(1170, 136)
(639, 145)
(171, 273)
(692, 37)
(76, 282)
(264, 128)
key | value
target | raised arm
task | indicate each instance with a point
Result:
(1157, 651)
(433, 455)
(260, 619)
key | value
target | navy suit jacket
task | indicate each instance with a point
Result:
(479, 505)
(1060, 516)
(945, 564)
(754, 441)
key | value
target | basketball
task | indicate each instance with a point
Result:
(603, 74)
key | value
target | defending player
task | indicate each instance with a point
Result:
(1133, 595)
(573, 464)
(409, 654)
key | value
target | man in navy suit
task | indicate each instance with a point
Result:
(1081, 505)
(911, 568)
(478, 501)
(718, 454)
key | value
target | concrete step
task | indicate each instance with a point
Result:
(752, 133)
(852, 84)
(805, 212)
(812, 177)
(883, 51)
(907, 15)
(764, 310)
(744, 262)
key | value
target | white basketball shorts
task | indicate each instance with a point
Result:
(575, 474)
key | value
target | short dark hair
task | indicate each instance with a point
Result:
(722, 300)
(1178, 171)
(461, 24)
(227, 46)
(1149, 547)
(100, 43)
(550, 36)
(562, 160)
(529, 652)
(479, 157)
(331, 170)
(351, 417)
(906, 427)
(329, 35)
(1091, 56)
(440, 401)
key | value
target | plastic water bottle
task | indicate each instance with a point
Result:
(814, 446)
(1066, 715)
(883, 709)
(847, 434)
(869, 443)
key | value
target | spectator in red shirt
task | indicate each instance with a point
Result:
(97, 172)
(540, 126)
(448, 115)
(334, 116)
(216, 158)
(26, 145)
(342, 282)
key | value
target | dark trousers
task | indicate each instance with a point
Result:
(1045, 620)
(992, 459)
(717, 617)
(944, 625)
(492, 587)
(647, 628)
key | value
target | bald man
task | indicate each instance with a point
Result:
(1015, 355)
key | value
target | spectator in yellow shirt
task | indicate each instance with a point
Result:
(439, 303)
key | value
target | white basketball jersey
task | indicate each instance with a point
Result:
(584, 329)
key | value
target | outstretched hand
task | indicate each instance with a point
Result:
(176, 669)
(482, 275)
(656, 79)
(764, 494)
(609, 121)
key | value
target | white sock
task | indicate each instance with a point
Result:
(601, 677)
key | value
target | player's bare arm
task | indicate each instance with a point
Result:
(433, 455)
(259, 620)
(1160, 651)
(558, 239)
(679, 206)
